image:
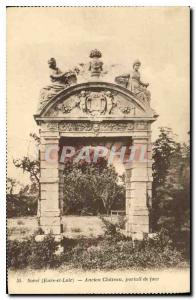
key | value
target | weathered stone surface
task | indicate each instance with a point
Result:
(96, 109)
(50, 221)
(56, 230)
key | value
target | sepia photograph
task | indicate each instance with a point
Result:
(98, 150)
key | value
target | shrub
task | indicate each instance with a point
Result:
(104, 252)
(31, 253)
(109, 228)
(18, 253)
(123, 254)
(111, 231)
(121, 222)
(43, 253)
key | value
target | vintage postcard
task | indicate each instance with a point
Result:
(98, 149)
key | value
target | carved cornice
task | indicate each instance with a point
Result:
(87, 126)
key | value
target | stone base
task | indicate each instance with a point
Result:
(137, 222)
(56, 230)
(139, 236)
(51, 222)
(40, 237)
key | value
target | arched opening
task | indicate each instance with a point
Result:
(92, 183)
(95, 114)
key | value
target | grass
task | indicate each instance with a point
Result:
(76, 229)
(73, 226)
(20, 222)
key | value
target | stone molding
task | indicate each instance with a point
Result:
(104, 90)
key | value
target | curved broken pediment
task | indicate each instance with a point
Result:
(94, 100)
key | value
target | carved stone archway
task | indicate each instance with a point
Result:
(95, 109)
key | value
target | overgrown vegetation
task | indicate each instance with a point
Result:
(111, 251)
(23, 203)
(91, 189)
(29, 253)
(171, 187)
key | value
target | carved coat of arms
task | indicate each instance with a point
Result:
(96, 102)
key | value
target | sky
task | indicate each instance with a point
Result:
(158, 37)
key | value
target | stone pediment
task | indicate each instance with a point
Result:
(94, 100)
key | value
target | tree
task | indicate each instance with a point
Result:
(31, 166)
(91, 188)
(11, 184)
(28, 202)
(170, 187)
(22, 202)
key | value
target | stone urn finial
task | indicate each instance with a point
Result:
(95, 66)
(95, 53)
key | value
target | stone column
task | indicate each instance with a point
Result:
(138, 190)
(50, 214)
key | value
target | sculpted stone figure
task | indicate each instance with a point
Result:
(58, 76)
(134, 84)
(82, 101)
(111, 102)
(59, 80)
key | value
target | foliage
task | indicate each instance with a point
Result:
(91, 188)
(32, 254)
(23, 203)
(10, 185)
(95, 253)
(110, 228)
(31, 166)
(171, 195)
(121, 222)
(111, 251)
(112, 254)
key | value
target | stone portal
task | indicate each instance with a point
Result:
(95, 109)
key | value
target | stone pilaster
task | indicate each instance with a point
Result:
(138, 190)
(50, 214)
(61, 185)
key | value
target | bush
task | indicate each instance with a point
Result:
(121, 255)
(112, 231)
(109, 228)
(21, 205)
(33, 254)
(18, 253)
(121, 222)
(106, 252)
